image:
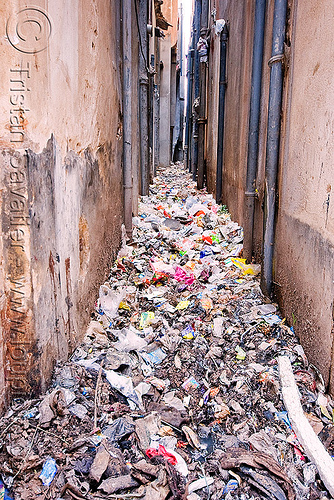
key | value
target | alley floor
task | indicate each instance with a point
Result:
(175, 391)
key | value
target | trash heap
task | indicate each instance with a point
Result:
(175, 391)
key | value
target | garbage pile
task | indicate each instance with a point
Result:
(175, 391)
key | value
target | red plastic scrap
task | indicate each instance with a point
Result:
(161, 452)
(208, 239)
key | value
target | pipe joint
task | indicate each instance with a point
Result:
(251, 194)
(201, 121)
(143, 81)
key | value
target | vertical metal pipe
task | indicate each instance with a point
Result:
(182, 84)
(202, 105)
(201, 121)
(143, 98)
(190, 126)
(156, 107)
(221, 113)
(273, 140)
(151, 130)
(196, 31)
(127, 125)
(254, 122)
(187, 137)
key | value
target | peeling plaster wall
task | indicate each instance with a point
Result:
(61, 178)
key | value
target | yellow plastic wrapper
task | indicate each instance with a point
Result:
(124, 305)
(182, 305)
(252, 269)
(241, 355)
(146, 319)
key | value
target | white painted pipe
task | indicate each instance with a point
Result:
(313, 447)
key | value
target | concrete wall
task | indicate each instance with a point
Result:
(167, 81)
(304, 243)
(305, 225)
(61, 178)
(238, 74)
(165, 101)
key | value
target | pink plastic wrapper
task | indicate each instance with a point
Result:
(161, 452)
(160, 267)
(181, 275)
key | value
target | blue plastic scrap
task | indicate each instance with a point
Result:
(3, 492)
(230, 486)
(48, 472)
(155, 357)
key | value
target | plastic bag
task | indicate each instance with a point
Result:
(110, 300)
(128, 341)
(123, 385)
(181, 275)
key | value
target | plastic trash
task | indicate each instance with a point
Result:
(48, 472)
(128, 341)
(4, 493)
(120, 428)
(183, 304)
(78, 410)
(188, 333)
(241, 354)
(158, 382)
(232, 485)
(172, 400)
(181, 276)
(201, 483)
(154, 357)
(161, 452)
(146, 319)
(190, 383)
(171, 456)
(110, 300)
(160, 267)
(123, 384)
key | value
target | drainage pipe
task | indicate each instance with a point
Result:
(196, 30)
(273, 141)
(143, 97)
(202, 103)
(254, 123)
(189, 105)
(127, 126)
(221, 112)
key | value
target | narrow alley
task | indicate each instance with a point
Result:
(178, 390)
(167, 250)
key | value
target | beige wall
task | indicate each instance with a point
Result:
(68, 187)
(303, 262)
(305, 230)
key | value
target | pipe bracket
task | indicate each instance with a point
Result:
(202, 120)
(275, 59)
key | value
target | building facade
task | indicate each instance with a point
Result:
(263, 136)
